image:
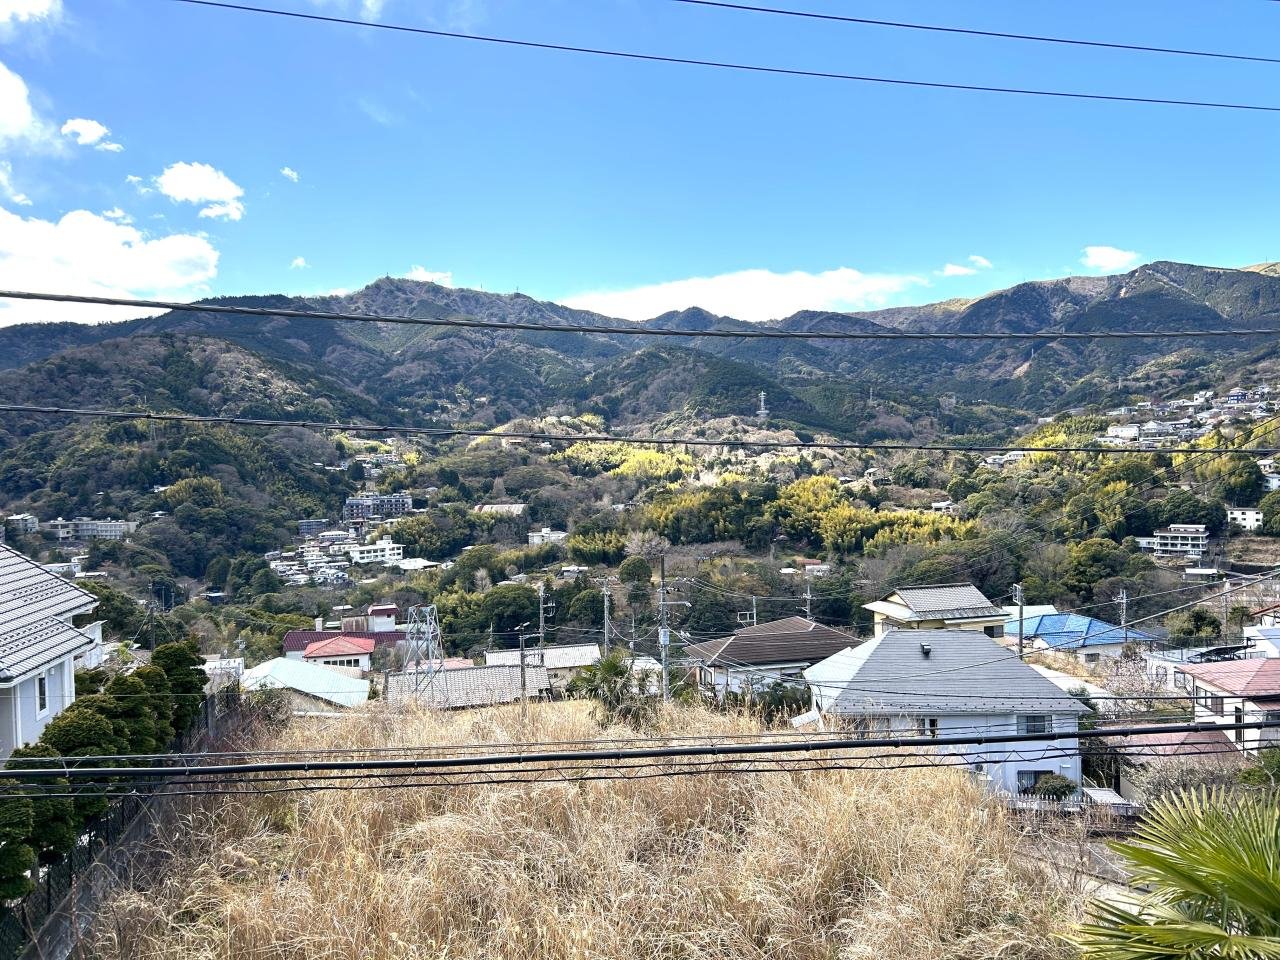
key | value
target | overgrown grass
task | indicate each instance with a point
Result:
(909, 864)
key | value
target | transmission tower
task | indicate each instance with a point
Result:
(423, 651)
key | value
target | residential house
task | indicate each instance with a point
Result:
(561, 661)
(1085, 638)
(764, 653)
(1123, 431)
(1177, 540)
(942, 606)
(1239, 691)
(468, 686)
(1264, 641)
(86, 528)
(384, 551)
(1248, 519)
(381, 506)
(341, 651)
(944, 506)
(1141, 749)
(40, 647)
(310, 688)
(1029, 610)
(546, 535)
(295, 642)
(22, 523)
(935, 683)
(312, 528)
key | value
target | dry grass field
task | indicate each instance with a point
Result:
(906, 865)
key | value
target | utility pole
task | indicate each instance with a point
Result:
(1123, 600)
(1017, 596)
(808, 595)
(604, 592)
(664, 629)
(664, 626)
(754, 618)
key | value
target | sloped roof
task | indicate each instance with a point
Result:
(35, 606)
(946, 601)
(1259, 677)
(343, 645)
(1178, 744)
(467, 687)
(308, 678)
(965, 672)
(1071, 631)
(791, 640)
(562, 656)
(297, 640)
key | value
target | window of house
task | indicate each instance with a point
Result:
(1033, 723)
(1179, 679)
(1027, 779)
(42, 693)
(1209, 701)
(927, 727)
(1239, 718)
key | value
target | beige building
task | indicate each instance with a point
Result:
(946, 606)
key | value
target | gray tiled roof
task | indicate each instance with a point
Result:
(468, 687)
(965, 672)
(563, 656)
(35, 606)
(947, 600)
(791, 640)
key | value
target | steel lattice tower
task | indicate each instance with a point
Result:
(424, 650)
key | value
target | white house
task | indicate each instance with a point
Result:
(546, 535)
(1123, 431)
(341, 651)
(40, 648)
(309, 688)
(1238, 691)
(1177, 540)
(760, 655)
(1248, 519)
(936, 683)
(942, 606)
(383, 551)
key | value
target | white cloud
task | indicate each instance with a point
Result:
(90, 133)
(118, 215)
(299, 263)
(1108, 259)
(371, 9)
(201, 183)
(89, 254)
(290, 174)
(8, 189)
(955, 270)
(21, 11)
(982, 263)
(752, 294)
(19, 121)
(444, 278)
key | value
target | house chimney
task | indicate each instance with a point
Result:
(319, 623)
(925, 648)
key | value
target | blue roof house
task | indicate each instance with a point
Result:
(1085, 638)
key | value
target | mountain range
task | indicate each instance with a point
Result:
(210, 363)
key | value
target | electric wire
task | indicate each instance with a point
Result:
(727, 65)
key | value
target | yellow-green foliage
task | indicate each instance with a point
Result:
(623, 460)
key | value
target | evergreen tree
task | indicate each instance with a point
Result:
(134, 710)
(54, 826)
(181, 664)
(156, 682)
(16, 857)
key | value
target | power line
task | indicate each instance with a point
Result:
(727, 65)
(631, 329)
(445, 432)
(837, 18)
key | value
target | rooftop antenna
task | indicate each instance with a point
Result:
(763, 413)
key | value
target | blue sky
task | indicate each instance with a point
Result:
(142, 144)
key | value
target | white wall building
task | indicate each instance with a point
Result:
(935, 683)
(40, 648)
(1239, 691)
(946, 605)
(383, 551)
(1248, 519)
(546, 535)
